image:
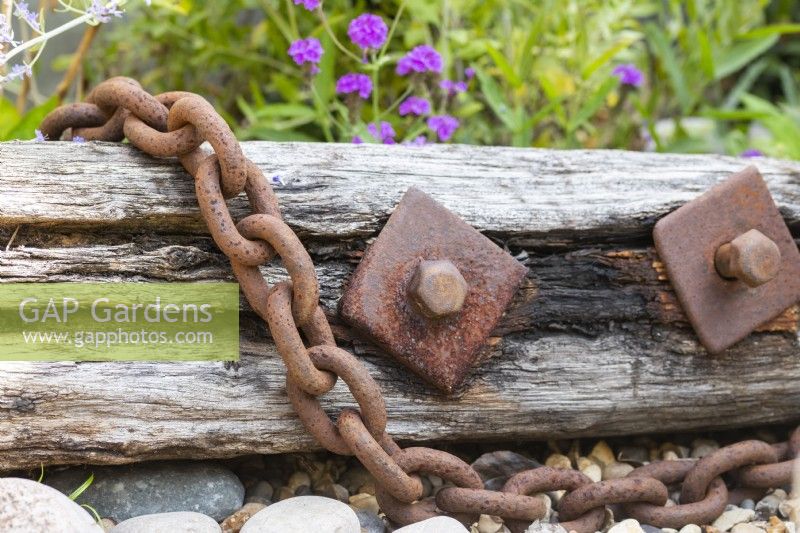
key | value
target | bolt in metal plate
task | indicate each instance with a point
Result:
(441, 351)
(724, 311)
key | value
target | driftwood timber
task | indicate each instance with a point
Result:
(594, 344)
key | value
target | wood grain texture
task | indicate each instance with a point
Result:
(593, 344)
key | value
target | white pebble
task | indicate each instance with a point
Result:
(542, 526)
(26, 506)
(746, 528)
(178, 522)
(302, 514)
(691, 528)
(733, 516)
(439, 524)
(627, 526)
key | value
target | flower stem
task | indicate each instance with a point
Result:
(397, 102)
(375, 91)
(394, 27)
(329, 30)
(45, 36)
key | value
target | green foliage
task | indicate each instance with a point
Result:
(720, 75)
(16, 126)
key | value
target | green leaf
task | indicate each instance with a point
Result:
(772, 29)
(10, 117)
(663, 50)
(26, 127)
(744, 83)
(495, 99)
(284, 111)
(504, 66)
(595, 102)
(323, 81)
(734, 57)
(80, 490)
(606, 56)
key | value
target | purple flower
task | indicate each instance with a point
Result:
(102, 11)
(385, 135)
(305, 51)
(629, 75)
(18, 72)
(40, 137)
(277, 180)
(25, 14)
(414, 105)
(351, 83)
(358, 140)
(469, 72)
(311, 5)
(6, 33)
(453, 87)
(443, 126)
(422, 58)
(368, 31)
(78, 139)
(417, 141)
(752, 152)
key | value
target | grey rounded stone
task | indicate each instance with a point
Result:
(439, 524)
(123, 492)
(179, 522)
(370, 522)
(27, 506)
(302, 514)
(747, 504)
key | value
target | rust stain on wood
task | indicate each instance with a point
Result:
(645, 267)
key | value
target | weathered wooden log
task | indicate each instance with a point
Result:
(594, 343)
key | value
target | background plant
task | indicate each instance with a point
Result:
(717, 75)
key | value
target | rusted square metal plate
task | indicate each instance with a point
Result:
(376, 302)
(724, 311)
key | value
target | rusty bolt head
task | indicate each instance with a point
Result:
(438, 288)
(752, 258)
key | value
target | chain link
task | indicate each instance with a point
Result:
(176, 124)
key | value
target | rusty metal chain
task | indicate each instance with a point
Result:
(176, 124)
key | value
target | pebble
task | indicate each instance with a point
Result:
(438, 524)
(668, 530)
(123, 492)
(354, 478)
(302, 514)
(107, 524)
(647, 528)
(703, 447)
(791, 509)
(488, 524)
(690, 528)
(616, 470)
(775, 525)
(261, 492)
(364, 501)
(284, 493)
(669, 455)
(636, 455)
(731, 517)
(747, 504)
(602, 453)
(496, 467)
(626, 526)
(746, 528)
(583, 462)
(558, 460)
(370, 522)
(303, 490)
(297, 480)
(593, 472)
(335, 491)
(180, 522)
(27, 505)
(768, 505)
(234, 522)
(542, 526)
